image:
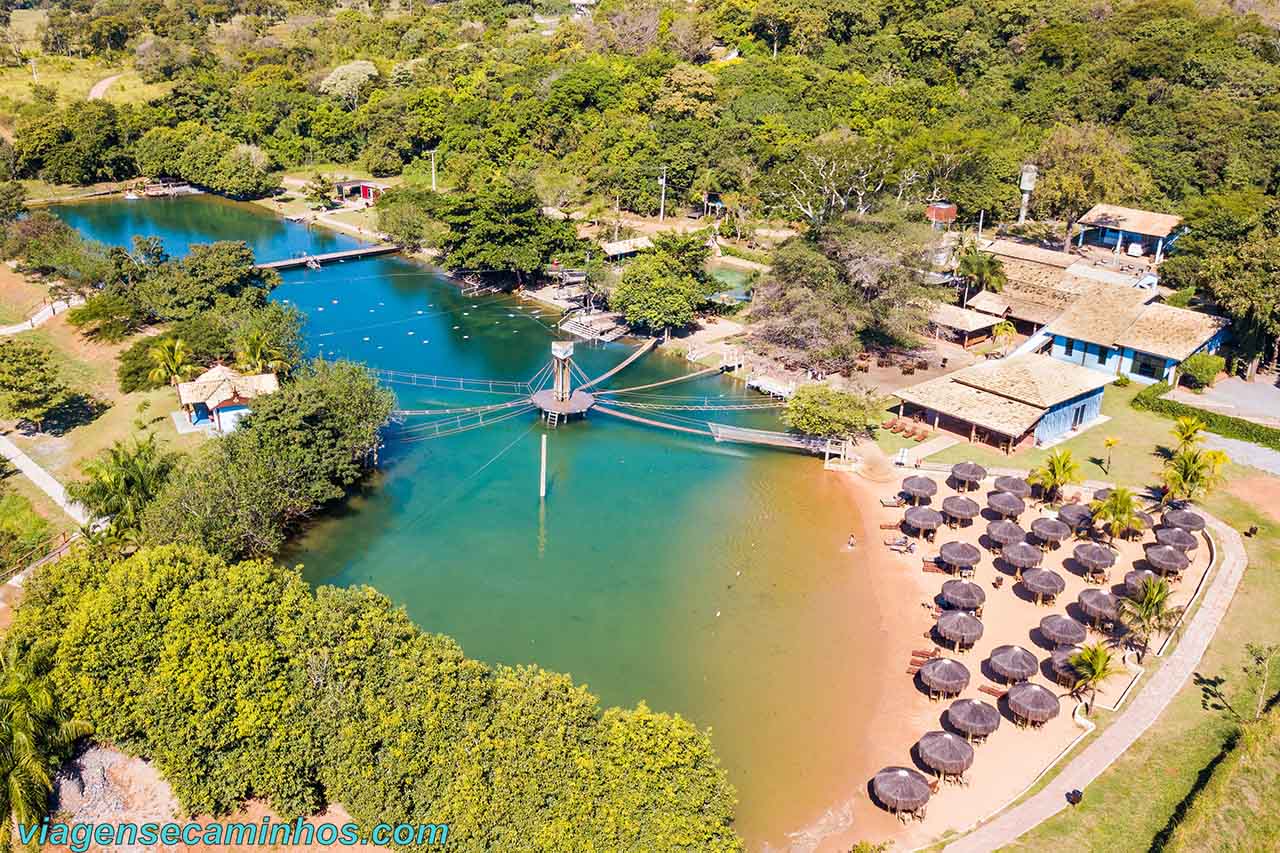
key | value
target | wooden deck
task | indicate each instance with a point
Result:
(329, 257)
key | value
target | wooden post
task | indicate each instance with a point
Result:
(973, 429)
(542, 482)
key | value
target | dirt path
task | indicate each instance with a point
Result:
(100, 88)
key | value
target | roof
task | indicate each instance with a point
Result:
(1085, 269)
(360, 182)
(989, 411)
(940, 211)
(1027, 252)
(1171, 332)
(221, 384)
(955, 317)
(626, 247)
(989, 303)
(1103, 314)
(1129, 219)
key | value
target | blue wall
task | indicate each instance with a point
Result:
(1119, 361)
(1057, 421)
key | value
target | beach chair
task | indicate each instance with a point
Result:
(992, 691)
(927, 653)
(901, 460)
(901, 540)
(895, 501)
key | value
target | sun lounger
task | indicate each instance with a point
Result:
(909, 548)
(901, 460)
(992, 691)
(926, 653)
(912, 670)
(890, 525)
(895, 501)
(931, 568)
(898, 542)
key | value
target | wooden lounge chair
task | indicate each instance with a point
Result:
(912, 670)
(890, 525)
(933, 568)
(926, 653)
(992, 691)
(895, 501)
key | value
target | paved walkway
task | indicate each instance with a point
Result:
(1245, 453)
(42, 316)
(1137, 716)
(937, 444)
(44, 480)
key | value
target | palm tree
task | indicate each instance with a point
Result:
(982, 270)
(35, 737)
(1188, 431)
(1148, 614)
(122, 480)
(1093, 664)
(1191, 473)
(1109, 443)
(1117, 512)
(1058, 470)
(172, 360)
(1002, 332)
(258, 355)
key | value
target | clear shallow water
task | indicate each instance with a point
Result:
(708, 580)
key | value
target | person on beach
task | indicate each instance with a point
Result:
(853, 541)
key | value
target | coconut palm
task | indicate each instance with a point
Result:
(34, 739)
(1192, 473)
(1109, 443)
(258, 355)
(1002, 332)
(1117, 512)
(1058, 470)
(122, 480)
(173, 361)
(980, 270)
(1188, 431)
(1093, 664)
(1147, 614)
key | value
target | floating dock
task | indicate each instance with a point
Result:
(329, 257)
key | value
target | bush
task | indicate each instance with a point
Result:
(1152, 400)
(1202, 369)
(1122, 381)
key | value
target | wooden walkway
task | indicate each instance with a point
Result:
(769, 438)
(329, 257)
(623, 365)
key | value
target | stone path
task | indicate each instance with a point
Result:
(42, 316)
(1245, 453)
(1137, 716)
(43, 480)
(100, 88)
(937, 444)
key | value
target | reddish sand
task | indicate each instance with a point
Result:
(1261, 492)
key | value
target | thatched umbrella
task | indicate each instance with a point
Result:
(1102, 494)
(961, 628)
(1050, 530)
(1141, 521)
(945, 753)
(1098, 604)
(973, 718)
(1021, 555)
(1075, 516)
(1135, 580)
(1185, 519)
(1062, 630)
(919, 487)
(1006, 504)
(963, 594)
(1042, 582)
(1032, 703)
(1060, 663)
(1013, 663)
(962, 555)
(1005, 532)
(960, 508)
(1176, 537)
(1094, 557)
(1167, 559)
(944, 676)
(968, 473)
(923, 518)
(900, 789)
(1014, 486)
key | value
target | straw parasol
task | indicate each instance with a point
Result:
(1075, 516)
(963, 594)
(960, 508)
(1042, 582)
(1185, 519)
(969, 473)
(1167, 559)
(1014, 486)
(1144, 520)
(1032, 703)
(1050, 530)
(1060, 663)
(1094, 557)
(919, 487)
(1021, 555)
(1098, 604)
(944, 752)
(944, 675)
(1062, 630)
(923, 518)
(1006, 504)
(1005, 532)
(973, 718)
(900, 789)
(1136, 579)
(1102, 494)
(961, 628)
(962, 555)
(1013, 663)
(1176, 537)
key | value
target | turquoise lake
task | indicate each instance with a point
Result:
(707, 580)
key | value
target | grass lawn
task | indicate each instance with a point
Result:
(1132, 806)
(1135, 462)
(73, 78)
(19, 296)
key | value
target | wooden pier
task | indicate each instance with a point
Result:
(329, 257)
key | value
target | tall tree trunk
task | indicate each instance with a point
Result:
(1066, 241)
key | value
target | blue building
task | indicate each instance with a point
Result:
(1130, 232)
(1122, 331)
(219, 398)
(1027, 400)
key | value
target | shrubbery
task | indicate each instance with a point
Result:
(1202, 369)
(238, 681)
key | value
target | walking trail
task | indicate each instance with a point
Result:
(1137, 717)
(44, 480)
(42, 316)
(100, 88)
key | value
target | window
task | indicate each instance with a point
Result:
(1103, 355)
(1148, 366)
(1070, 347)
(1077, 417)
